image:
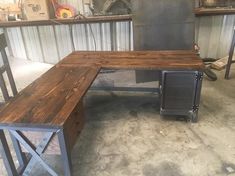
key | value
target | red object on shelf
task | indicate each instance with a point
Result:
(63, 11)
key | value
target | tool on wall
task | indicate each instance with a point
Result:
(63, 11)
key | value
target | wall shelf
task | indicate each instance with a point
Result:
(67, 21)
(95, 19)
(214, 11)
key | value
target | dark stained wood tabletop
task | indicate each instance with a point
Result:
(170, 60)
(50, 99)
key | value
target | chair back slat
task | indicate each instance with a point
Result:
(6, 68)
(9, 73)
(3, 42)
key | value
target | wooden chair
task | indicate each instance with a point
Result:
(5, 151)
(6, 68)
(230, 58)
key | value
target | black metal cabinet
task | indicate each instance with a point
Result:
(180, 93)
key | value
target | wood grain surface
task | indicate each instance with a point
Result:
(51, 99)
(161, 60)
(72, 128)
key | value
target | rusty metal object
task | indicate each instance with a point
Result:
(114, 7)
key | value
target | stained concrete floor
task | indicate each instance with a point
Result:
(125, 135)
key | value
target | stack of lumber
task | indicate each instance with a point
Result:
(221, 63)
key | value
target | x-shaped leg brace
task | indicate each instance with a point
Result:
(36, 153)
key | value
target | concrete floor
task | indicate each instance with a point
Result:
(125, 135)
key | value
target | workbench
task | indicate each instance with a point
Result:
(52, 105)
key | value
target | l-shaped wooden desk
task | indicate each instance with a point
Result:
(52, 105)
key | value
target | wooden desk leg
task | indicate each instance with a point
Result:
(65, 153)
(6, 155)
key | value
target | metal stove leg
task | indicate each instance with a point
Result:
(65, 153)
(6, 155)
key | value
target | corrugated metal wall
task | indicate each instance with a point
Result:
(1, 61)
(51, 43)
(214, 35)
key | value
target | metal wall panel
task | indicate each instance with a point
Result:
(16, 42)
(131, 37)
(63, 40)
(94, 37)
(167, 25)
(80, 39)
(106, 36)
(50, 44)
(123, 36)
(1, 61)
(32, 44)
(214, 35)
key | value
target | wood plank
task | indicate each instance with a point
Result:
(50, 99)
(221, 63)
(94, 19)
(214, 11)
(73, 127)
(160, 60)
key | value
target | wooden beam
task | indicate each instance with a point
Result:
(213, 11)
(95, 19)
